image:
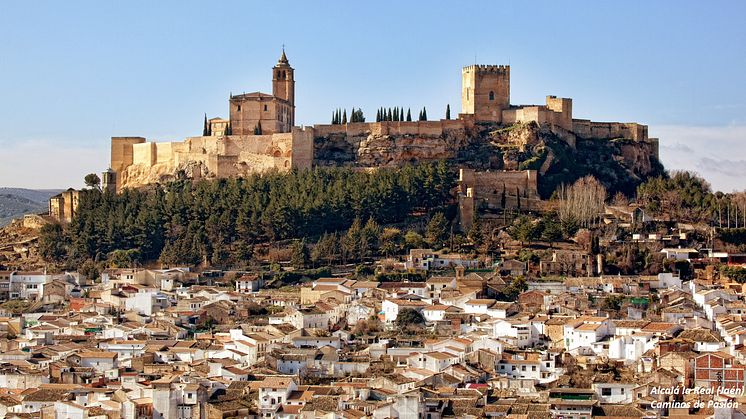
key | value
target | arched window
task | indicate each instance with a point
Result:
(492, 95)
(278, 74)
(284, 75)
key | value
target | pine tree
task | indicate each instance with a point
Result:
(448, 111)
(409, 115)
(344, 117)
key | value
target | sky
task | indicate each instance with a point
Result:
(74, 74)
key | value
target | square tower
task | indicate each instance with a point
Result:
(485, 91)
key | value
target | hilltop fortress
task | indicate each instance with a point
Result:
(260, 134)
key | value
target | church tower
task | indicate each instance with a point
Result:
(283, 87)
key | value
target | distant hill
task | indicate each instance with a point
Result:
(15, 202)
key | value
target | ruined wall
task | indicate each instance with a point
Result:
(584, 128)
(484, 190)
(485, 184)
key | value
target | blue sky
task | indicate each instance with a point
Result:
(73, 74)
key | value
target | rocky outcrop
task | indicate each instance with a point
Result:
(558, 155)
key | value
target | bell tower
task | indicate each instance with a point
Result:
(283, 85)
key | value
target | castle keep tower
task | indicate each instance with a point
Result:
(485, 91)
(260, 113)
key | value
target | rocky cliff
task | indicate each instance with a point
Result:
(559, 156)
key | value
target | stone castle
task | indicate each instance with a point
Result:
(260, 133)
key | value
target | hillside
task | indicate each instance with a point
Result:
(560, 157)
(15, 202)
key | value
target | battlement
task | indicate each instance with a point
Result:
(483, 68)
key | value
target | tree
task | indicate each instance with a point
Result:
(551, 232)
(391, 241)
(52, 243)
(503, 197)
(326, 249)
(351, 241)
(424, 114)
(90, 270)
(369, 237)
(517, 198)
(300, 256)
(206, 128)
(448, 111)
(523, 230)
(344, 117)
(409, 317)
(413, 240)
(436, 231)
(409, 115)
(582, 202)
(92, 181)
(378, 115)
(475, 234)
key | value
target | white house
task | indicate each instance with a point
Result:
(273, 392)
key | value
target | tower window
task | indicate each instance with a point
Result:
(492, 95)
(239, 108)
(265, 108)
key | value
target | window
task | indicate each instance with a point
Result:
(492, 95)
(239, 108)
(606, 391)
(265, 108)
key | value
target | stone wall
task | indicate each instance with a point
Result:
(418, 128)
(485, 189)
(140, 163)
(585, 128)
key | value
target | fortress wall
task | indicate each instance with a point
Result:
(164, 152)
(428, 128)
(144, 154)
(610, 130)
(490, 183)
(122, 154)
(302, 148)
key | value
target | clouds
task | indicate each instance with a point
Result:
(715, 152)
(46, 164)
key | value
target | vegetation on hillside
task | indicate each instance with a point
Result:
(217, 222)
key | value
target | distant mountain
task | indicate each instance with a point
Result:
(15, 202)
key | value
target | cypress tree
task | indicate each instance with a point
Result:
(390, 116)
(396, 114)
(334, 117)
(344, 117)
(378, 116)
(205, 128)
(409, 115)
(419, 117)
(448, 111)
(424, 113)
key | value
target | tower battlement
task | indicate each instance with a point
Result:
(483, 68)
